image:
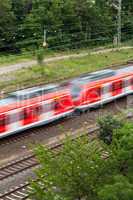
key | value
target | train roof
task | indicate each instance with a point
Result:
(125, 69)
(34, 92)
(12, 101)
(98, 74)
(94, 76)
(6, 101)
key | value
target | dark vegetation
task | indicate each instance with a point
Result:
(86, 170)
(69, 24)
(107, 126)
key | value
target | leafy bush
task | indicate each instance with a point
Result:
(107, 125)
(120, 189)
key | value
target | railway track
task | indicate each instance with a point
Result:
(21, 165)
(17, 166)
(30, 161)
(13, 139)
(19, 193)
(22, 192)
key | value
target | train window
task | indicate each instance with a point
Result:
(33, 110)
(95, 92)
(57, 105)
(25, 114)
(61, 104)
(3, 123)
(131, 81)
(4, 120)
(117, 85)
(31, 114)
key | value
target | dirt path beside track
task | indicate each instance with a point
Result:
(14, 67)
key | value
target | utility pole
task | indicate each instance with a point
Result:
(117, 4)
(45, 38)
(119, 21)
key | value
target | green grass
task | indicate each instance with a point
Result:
(13, 59)
(65, 69)
(23, 57)
(10, 59)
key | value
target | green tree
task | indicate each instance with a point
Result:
(44, 14)
(7, 25)
(120, 189)
(18, 9)
(75, 173)
(21, 9)
(107, 125)
(69, 23)
(88, 170)
(121, 186)
(123, 149)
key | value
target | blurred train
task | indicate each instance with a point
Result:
(41, 105)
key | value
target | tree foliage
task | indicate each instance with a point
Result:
(107, 125)
(120, 189)
(87, 170)
(74, 174)
(7, 24)
(69, 24)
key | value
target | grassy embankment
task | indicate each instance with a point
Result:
(64, 69)
(11, 59)
(8, 59)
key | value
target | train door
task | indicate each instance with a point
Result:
(3, 123)
(128, 85)
(117, 87)
(106, 94)
(92, 95)
(47, 110)
(31, 114)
